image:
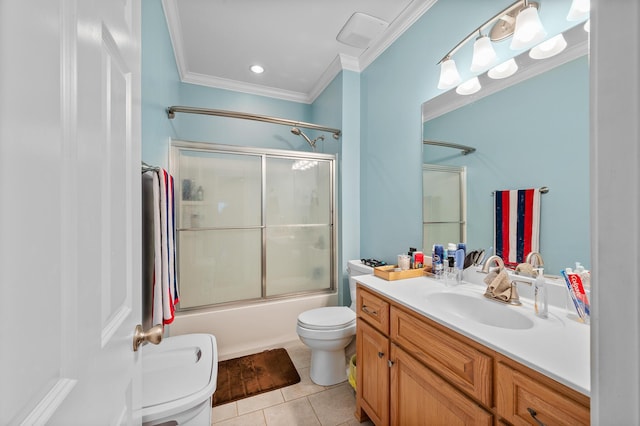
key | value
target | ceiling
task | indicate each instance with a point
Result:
(216, 41)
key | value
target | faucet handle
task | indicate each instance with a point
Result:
(487, 264)
(534, 255)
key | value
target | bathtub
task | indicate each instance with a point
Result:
(246, 329)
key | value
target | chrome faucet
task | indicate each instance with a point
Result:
(514, 299)
(487, 263)
(534, 255)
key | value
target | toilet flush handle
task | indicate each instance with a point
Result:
(153, 335)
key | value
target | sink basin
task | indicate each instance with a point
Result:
(479, 309)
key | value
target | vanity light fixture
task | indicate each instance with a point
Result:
(528, 28)
(257, 69)
(449, 75)
(579, 10)
(484, 55)
(503, 70)
(549, 48)
(521, 22)
(469, 87)
(501, 26)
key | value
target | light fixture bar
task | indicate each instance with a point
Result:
(507, 11)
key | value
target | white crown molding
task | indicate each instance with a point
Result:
(402, 23)
(349, 63)
(342, 62)
(339, 63)
(578, 46)
(175, 34)
(240, 86)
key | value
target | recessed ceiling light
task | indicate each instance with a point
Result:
(257, 69)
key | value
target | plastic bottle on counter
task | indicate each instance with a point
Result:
(437, 259)
(451, 253)
(541, 303)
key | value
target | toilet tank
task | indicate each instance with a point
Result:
(355, 268)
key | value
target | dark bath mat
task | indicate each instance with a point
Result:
(250, 375)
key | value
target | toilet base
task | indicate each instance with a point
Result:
(199, 415)
(328, 367)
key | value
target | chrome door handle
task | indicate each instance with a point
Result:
(153, 335)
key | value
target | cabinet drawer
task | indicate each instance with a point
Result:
(467, 368)
(372, 309)
(521, 397)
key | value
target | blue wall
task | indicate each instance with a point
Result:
(161, 88)
(393, 88)
(378, 110)
(532, 134)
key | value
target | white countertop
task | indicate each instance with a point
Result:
(558, 347)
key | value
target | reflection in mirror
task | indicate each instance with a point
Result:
(527, 135)
(443, 205)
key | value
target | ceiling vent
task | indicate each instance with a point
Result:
(360, 30)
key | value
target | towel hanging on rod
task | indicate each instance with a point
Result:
(163, 280)
(147, 167)
(516, 224)
(542, 189)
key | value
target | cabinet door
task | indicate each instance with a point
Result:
(524, 401)
(372, 373)
(462, 365)
(421, 397)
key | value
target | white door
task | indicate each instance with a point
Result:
(69, 211)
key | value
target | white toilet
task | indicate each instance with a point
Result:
(179, 377)
(328, 331)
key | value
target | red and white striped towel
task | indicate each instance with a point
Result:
(516, 224)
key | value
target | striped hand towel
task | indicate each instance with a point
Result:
(516, 224)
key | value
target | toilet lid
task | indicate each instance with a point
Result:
(327, 318)
(178, 374)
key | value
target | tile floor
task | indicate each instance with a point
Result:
(304, 403)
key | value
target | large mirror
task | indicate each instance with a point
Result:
(530, 130)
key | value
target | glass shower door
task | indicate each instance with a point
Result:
(298, 225)
(220, 229)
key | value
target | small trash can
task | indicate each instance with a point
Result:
(352, 372)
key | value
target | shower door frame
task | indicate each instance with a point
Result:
(178, 145)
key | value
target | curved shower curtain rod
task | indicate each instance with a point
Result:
(171, 112)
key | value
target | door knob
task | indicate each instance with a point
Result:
(153, 335)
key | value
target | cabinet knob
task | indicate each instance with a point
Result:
(380, 354)
(390, 363)
(533, 415)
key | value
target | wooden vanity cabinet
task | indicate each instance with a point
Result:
(421, 397)
(372, 374)
(414, 371)
(524, 398)
(372, 359)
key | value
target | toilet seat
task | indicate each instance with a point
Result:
(327, 318)
(178, 374)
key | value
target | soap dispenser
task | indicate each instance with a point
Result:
(540, 295)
